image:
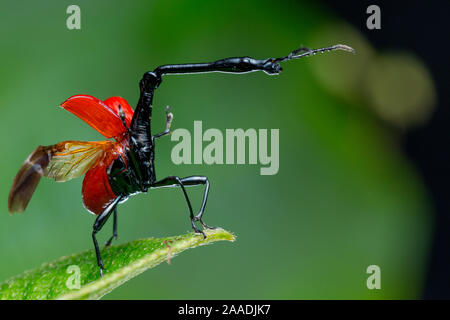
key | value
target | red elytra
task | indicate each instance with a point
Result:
(104, 117)
(119, 103)
(96, 191)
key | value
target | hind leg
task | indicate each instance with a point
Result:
(98, 225)
(114, 235)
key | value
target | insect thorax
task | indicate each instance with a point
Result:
(124, 178)
(133, 172)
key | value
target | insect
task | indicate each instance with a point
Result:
(114, 170)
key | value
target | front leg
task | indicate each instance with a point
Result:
(169, 118)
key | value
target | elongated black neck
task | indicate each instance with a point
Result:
(141, 136)
(141, 122)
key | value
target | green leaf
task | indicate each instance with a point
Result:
(122, 262)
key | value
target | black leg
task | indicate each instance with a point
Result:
(173, 181)
(169, 118)
(114, 236)
(196, 181)
(98, 225)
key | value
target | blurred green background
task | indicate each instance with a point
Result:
(345, 196)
